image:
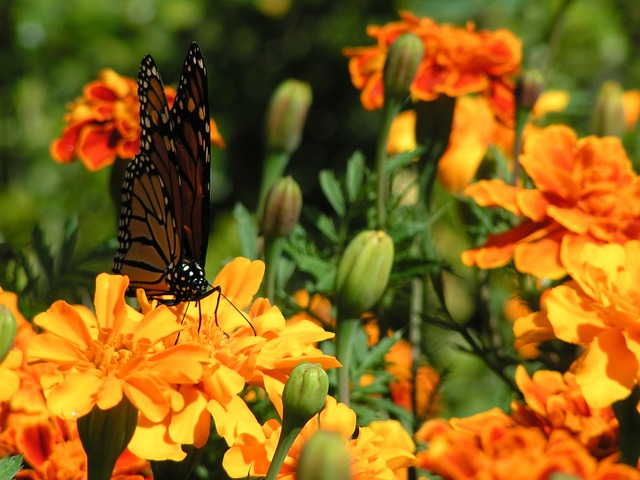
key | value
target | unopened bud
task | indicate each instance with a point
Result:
(287, 114)
(324, 457)
(105, 434)
(608, 118)
(528, 89)
(403, 60)
(281, 208)
(304, 394)
(363, 272)
(8, 331)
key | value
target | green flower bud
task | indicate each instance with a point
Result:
(324, 457)
(528, 89)
(281, 208)
(105, 434)
(403, 60)
(363, 272)
(608, 118)
(287, 114)
(304, 394)
(8, 331)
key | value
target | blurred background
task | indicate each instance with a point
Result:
(50, 49)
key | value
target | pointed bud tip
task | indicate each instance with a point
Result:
(281, 208)
(287, 115)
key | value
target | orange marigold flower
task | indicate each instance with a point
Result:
(118, 351)
(492, 445)
(631, 106)
(260, 350)
(103, 124)
(400, 364)
(379, 451)
(585, 192)
(555, 401)
(456, 61)
(598, 309)
(318, 309)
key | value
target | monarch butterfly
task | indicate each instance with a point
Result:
(163, 229)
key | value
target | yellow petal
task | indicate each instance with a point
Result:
(75, 396)
(152, 441)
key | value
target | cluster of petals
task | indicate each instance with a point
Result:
(381, 450)
(50, 446)
(554, 401)
(493, 445)
(585, 191)
(599, 310)
(456, 61)
(103, 124)
(257, 348)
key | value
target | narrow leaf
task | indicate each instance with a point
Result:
(246, 231)
(354, 175)
(331, 189)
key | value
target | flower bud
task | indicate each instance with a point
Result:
(528, 89)
(8, 331)
(403, 60)
(608, 118)
(287, 114)
(304, 394)
(324, 457)
(363, 272)
(105, 434)
(281, 208)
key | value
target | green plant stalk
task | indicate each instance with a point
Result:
(345, 337)
(273, 247)
(274, 165)
(629, 420)
(288, 436)
(522, 115)
(390, 109)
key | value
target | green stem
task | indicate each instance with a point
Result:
(287, 438)
(344, 347)
(274, 165)
(522, 115)
(629, 430)
(389, 112)
(273, 247)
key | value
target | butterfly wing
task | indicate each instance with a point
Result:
(149, 234)
(192, 134)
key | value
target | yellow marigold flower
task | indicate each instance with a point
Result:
(99, 358)
(585, 192)
(378, 452)
(598, 310)
(104, 124)
(456, 61)
(258, 349)
(492, 445)
(555, 401)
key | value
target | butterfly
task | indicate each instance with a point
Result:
(163, 229)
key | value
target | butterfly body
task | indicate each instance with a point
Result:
(164, 223)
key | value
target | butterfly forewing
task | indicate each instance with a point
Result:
(190, 115)
(164, 223)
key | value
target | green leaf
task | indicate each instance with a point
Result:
(326, 226)
(43, 253)
(10, 466)
(354, 175)
(331, 188)
(375, 356)
(323, 272)
(69, 241)
(403, 159)
(246, 231)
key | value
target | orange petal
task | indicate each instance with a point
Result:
(240, 280)
(607, 371)
(75, 396)
(531, 328)
(65, 321)
(111, 309)
(540, 258)
(191, 424)
(147, 397)
(152, 441)
(494, 193)
(571, 315)
(55, 349)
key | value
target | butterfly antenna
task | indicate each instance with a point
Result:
(220, 294)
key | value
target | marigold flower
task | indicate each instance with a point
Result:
(631, 106)
(257, 348)
(597, 309)
(399, 361)
(114, 353)
(378, 452)
(555, 401)
(456, 61)
(317, 309)
(104, 124)
(585, 192)
(492, 445)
